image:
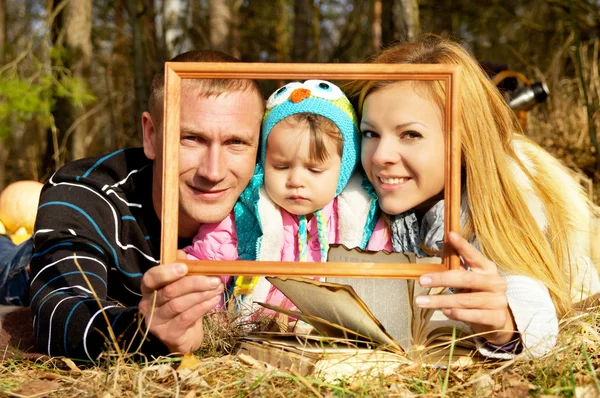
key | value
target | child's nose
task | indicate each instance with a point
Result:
(295, 178)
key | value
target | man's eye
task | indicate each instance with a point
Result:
(190, 138)
(236, 142)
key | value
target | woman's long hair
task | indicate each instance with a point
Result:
(503, 190)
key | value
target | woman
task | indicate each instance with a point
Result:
(523, 218)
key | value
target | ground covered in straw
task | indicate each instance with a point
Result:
(572, 369)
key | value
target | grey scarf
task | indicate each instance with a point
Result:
(407, 234)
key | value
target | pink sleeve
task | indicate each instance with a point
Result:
(217, 241)
(381, 238)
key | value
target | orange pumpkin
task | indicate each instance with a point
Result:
(18, 205)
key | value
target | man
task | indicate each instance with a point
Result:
(98, 224)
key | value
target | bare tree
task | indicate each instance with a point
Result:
(376, 25)
(176, 27)
(220, 25)
(71, 35)
(302, 16)
(399, 21)
(2, 29)
(282, 32)
(406, 14)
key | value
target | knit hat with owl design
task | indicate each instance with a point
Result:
(322, 98)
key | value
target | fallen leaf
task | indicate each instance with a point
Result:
(248, 360)
(37, 387)
(71, 365)
(190, 394)
(163, 370)
(189, 361)
(484, 386)
(586, 392)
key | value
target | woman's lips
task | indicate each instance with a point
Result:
(391, 183)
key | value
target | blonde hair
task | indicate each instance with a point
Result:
(204, 87)
(499, 216)
(320, 128)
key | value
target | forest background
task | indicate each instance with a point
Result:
(74, 74)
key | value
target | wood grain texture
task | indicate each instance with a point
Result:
(175, 71)
(170, 167)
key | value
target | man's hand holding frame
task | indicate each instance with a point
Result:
(175, 71)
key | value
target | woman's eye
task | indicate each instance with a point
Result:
(412, 135)
(369, 134)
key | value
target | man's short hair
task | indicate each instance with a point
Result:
(205, 87)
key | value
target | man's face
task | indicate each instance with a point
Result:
(217, 154)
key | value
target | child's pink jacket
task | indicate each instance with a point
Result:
(218, 241)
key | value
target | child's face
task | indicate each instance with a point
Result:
(402, 146)
(292, 180)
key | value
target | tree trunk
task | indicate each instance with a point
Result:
(2, 30)
(220, 25)
(406, 13)
(235, 29)
(302, 14)
(78, 43)
(282, 32)
(71, 32)
(135, 10)
(3, 140)
(376, 26)
(388, 29)
(175, 27)
(316, 30)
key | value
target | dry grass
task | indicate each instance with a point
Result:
(561, 125)
(572, 369)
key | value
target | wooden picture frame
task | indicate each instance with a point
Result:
(176, 71)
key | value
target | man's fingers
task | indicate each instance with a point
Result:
(161, 275)
(483, 301)
(188, 318)
(180, 305)
(472, 257)
(188, 285)
(460, 279)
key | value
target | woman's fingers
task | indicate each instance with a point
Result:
(460, 279)
(491, 318)
(469, 301)
(472, 257)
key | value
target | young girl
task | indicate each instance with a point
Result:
(524, 221)
(303, 195)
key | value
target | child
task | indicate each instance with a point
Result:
(303, 195)
(526, 219)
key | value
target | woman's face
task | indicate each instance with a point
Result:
(402, 146)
